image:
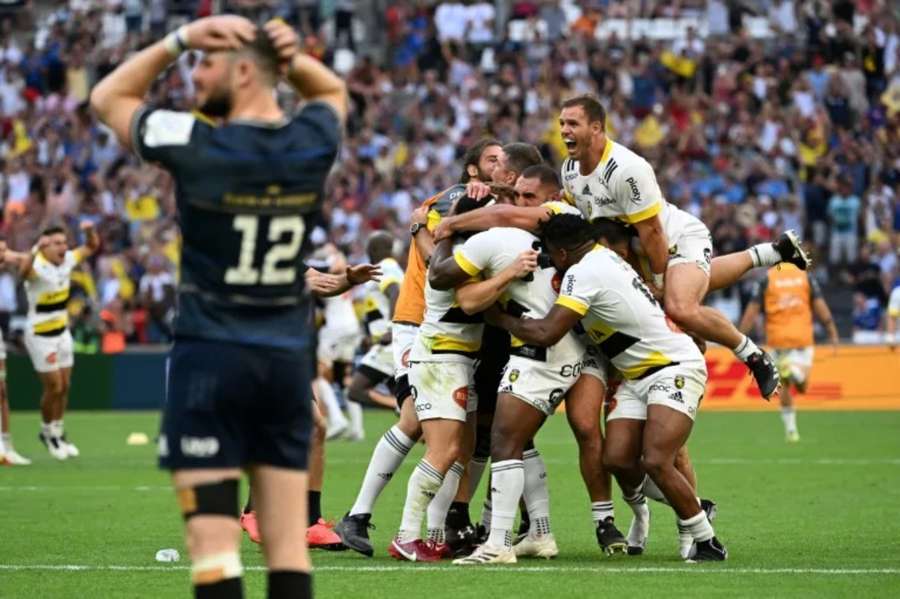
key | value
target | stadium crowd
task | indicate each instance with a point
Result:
(798, 129)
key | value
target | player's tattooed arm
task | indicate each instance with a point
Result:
(478, 296)
(542, 332)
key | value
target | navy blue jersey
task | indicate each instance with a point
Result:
(245, 193)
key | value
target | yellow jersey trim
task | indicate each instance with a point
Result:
(387, 282)
(464, 263)
(573, 304)
(432, 220)
(441, 342)
(643, 214)
(52, 297)
(655, 359)
(607, 150)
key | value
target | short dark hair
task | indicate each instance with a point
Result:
(544, 172)
(380, 245)
(473, 155)
(264, 54)
(520, 156)
(590, 105)
(566, 231)
(53, 230)
(612, 231)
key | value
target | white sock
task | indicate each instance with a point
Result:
(638, 504)
(649, 489)
(3, 441)
(535, 492)
(47, 429)
(745, 349)
(764, 254)
(436, 516)
(698, 526)
(487, 512)
(56, 428)
(424, 484)
(325, 392)
(601, 510)
(789, 417)
(355, 412)
(507, 484)
(476, 469)
(389, 453)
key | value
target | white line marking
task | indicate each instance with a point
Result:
(686, 569)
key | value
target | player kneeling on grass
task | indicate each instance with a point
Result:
(664, 373)
(46, 272)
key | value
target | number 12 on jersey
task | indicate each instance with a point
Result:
(282, 252)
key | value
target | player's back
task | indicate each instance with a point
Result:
(245, 192)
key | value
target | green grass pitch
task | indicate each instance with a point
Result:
(821, 518)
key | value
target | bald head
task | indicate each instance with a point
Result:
(380, 246)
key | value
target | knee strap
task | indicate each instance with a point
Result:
(402, 390)
(219, 499)
(211, 569)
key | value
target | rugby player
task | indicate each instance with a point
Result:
(664, 373)
(893, 315)
(788, 297)
(377, 365)
(8, 453)
(238, 389)
(47, 272)
(607, 180)
(479, 163)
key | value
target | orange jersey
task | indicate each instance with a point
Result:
(410, 306)
(786, 296)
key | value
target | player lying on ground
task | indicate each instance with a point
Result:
(238, 394)
(46, 272)
(664, 373)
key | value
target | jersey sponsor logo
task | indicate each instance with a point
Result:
(570, 177)
(461, 397)
(604, 201)
(635, 192)
(199, 447)
(586, 191)
(679, 382)
(570, 284)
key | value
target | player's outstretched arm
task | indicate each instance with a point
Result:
(479, 296)
(748, 320)
(823, 313)
(21, 261)
(542, 332)
(91, 242)
(312, 79)
(325, 284)
(501, 215)
(118, 96)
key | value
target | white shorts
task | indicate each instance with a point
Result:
(794, 363)
(596, 364)
(541, 385)
(337, 345)
(402, 338)
(679, 387)
(380, 358)
(443, 390)
(689, 241)
(49, 354)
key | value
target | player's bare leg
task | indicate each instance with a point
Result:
(282, 521)
(319, 534)
(455, 482)
(443, 447)
(798, 377)
(515, 425)
(686, 286)
(63, 403)
(584, 406)
(362, 391)
(622, 458)
(212, 533)
(726, 270)
(665, 433)
(53, 386)
(7, 449)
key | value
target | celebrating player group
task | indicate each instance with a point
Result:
(524, 289)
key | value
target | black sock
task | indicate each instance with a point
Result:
(290, 584)
(230, 588)
(315, 506)
(458, 515)
(525, 521)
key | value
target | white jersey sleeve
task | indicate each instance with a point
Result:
(894, 303)
(476, 254)
(578, 290)
(636, 191)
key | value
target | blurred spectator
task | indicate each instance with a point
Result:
(157, 290)
(843, 210)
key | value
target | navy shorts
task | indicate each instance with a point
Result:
(230, 406)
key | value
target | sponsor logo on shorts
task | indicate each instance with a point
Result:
(673, 250)
(199, 447)
(679, 382)
(51, 358)
(513, 375)
(573, 370)
(707, 255)
(635, 192)
(505, 389)
(461, 397)
(421, 407)
(676, 397)
(659, 387)
(556, 397)
(611, 404)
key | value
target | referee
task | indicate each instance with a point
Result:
(238, 389)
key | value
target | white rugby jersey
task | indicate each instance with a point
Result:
(893, 303)
(340, 315)
(488, 253)
(377, 305)
(47, 288)
(620, 316)
(447, 333)
(622, 187)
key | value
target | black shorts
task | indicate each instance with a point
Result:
(492, 360)
(230, 405)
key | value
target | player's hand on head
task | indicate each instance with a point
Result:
(477, 190)
(526, 262)
(220, 32)
(284, 39)
(363, 273)
(504, 193)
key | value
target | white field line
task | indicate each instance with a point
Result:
(412, 568)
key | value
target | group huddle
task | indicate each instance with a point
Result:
(532, 290)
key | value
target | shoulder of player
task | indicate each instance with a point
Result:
(569, 171)
(623, 163)
(443, 201)
(161, 127)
